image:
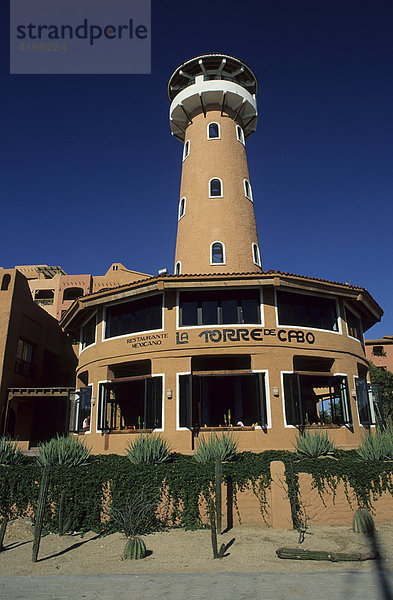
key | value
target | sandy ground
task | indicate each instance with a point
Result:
(178, 551)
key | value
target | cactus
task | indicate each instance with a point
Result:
(363, 522)
(39, 516)
(297, 554)
(135, 548)
(3, 527)
(64, 524)
(218, 480)
(213, 529)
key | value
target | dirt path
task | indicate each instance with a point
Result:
(179, 551)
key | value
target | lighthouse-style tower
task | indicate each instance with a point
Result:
(213, 111)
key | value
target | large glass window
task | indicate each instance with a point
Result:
(316, 399)
(366, 414)
(88, 332)
(134, 404)
(306, 311)
(219, 307)
(354, 325)
(130, 317)
(82, 409)
(222, 399)
(24, 358)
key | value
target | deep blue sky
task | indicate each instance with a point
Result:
(90, 173)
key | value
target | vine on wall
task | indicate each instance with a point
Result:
(183, 483)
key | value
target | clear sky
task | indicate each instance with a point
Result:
(90, 175)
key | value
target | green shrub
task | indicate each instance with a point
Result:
(314, 444)
(377, 447)
(64, 451)
(222, 446)
(149, 448)
(10, 453)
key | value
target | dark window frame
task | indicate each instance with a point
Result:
(88, 337)
(309, 302)
(24, 359)
(147, 305)
(190, 413)
(213, 137)
(354, 324)
(153, 404)
(220, 296)
(295, 403)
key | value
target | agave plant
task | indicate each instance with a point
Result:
(377, 447)
(10, 454)
(222, 446)
(64, 451)
(149, 448)
(313, 445)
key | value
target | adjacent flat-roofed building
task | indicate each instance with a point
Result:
(380, 352)
(221, 343)
(37, 365)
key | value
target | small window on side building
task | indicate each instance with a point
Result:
(178, 268)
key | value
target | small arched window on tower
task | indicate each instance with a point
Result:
(217, 253)
(5, 281)
(240, 134)
(213, 131)
(247, 189)
(182, 208)
(186, 149)
(178, 268)
(215, 188)
(255, 255)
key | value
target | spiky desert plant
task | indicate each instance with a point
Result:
(363, 521)
(3, 528)
(313, 445)
(64, 451)
(39, 515)
(148, 448)
(222, 446)
(378, 446)
(135, 549)
(10, 454)
(135, 514)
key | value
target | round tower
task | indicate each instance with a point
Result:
(213, 111)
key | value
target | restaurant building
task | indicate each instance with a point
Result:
(220, 344)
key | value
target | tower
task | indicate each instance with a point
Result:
(213, 111)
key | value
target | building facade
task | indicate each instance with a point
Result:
(380, 352)
(37, 365)
(220, 344)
